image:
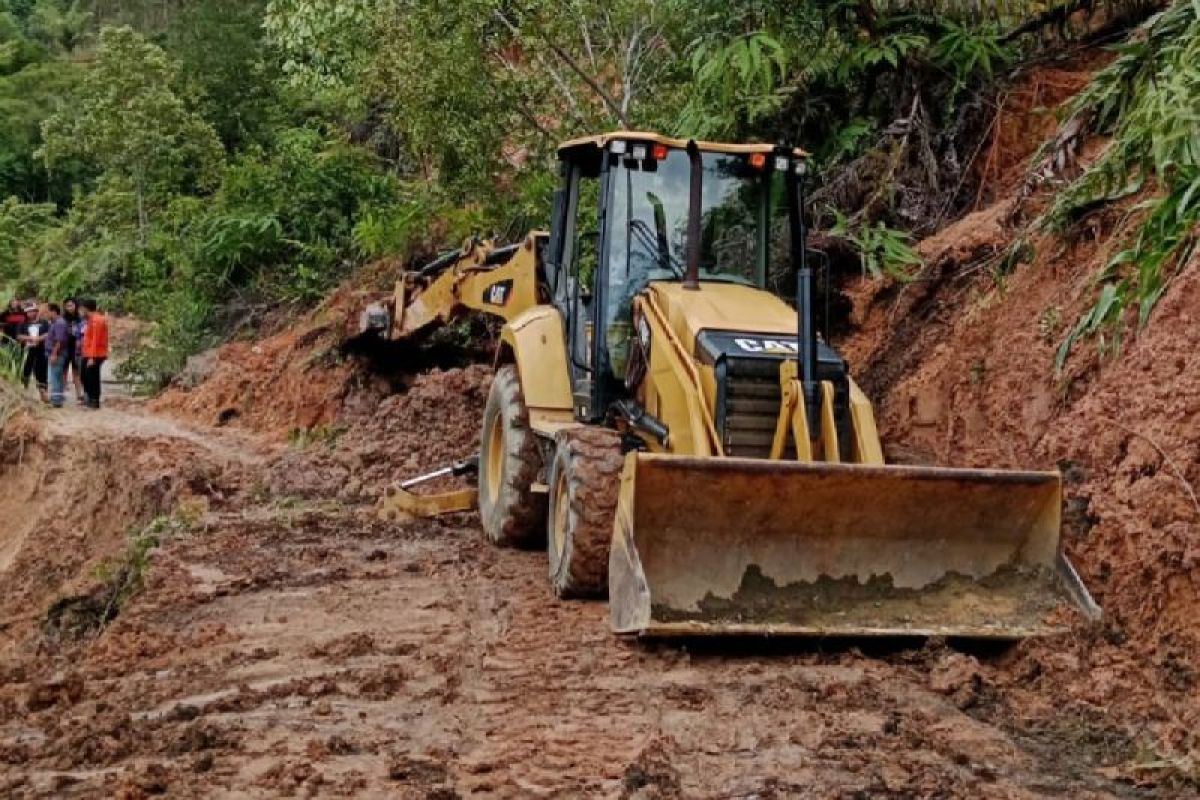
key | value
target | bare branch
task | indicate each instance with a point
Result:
(554, 74)
(563, 87)
(639, 68)
(611, 30)
(532, 119)
(628, 70)
(591, 82)
(529, 115)
(587, 37)
(1056, 15)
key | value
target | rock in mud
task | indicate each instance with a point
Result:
(958, 677)
(197, 369)
(651, 775)
(62, 689)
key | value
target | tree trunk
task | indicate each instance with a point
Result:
(141, 211)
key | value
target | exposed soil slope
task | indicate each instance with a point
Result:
(961, 366)
(976, 386)
(75, 483)
(295, 379)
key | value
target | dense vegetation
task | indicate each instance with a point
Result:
(1148, 100)
(198, 161)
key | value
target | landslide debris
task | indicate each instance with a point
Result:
(961, 367)
(74, 491)
(434, 423)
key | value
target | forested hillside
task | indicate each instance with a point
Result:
(199, 163)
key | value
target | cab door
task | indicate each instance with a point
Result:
(578, 245)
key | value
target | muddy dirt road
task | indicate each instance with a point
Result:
(287, 643)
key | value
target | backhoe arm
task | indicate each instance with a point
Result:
(501, 281)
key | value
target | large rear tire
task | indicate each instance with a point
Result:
(584, 482)
(509, 464)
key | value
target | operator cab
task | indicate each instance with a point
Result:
(621, 221)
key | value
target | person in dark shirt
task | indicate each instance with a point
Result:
(74, 321)
(11, 321)
(33, 337)
(55, 346)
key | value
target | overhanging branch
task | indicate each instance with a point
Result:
(1057, 15)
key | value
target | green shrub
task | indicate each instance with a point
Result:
(882, 250)
(1146, 100)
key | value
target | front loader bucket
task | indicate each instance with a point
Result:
(728, 546)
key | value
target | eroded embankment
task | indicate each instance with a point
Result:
(961, 366)
(72, 490)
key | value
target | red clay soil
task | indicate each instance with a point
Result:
(435, 422)
(1026, 117)
(961, 368)
(76, 484)
(962, 371)
(287, 643)
(295, 379)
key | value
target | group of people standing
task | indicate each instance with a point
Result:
(61, 342)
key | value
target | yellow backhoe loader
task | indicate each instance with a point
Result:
(683, 441)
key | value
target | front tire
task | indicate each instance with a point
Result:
(509, 464)
(585, 480)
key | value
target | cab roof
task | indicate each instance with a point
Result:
(601, 141)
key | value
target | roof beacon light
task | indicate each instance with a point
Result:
(781, 163)
(659, 151)
(618, 146)
(758, 160)
(639, 152)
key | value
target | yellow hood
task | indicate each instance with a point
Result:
(722, 307)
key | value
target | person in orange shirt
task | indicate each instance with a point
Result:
(93, 350)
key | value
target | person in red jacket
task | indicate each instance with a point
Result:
(93, 350)
(12, 319)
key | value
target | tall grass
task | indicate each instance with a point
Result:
(13, 397)
(12, 363)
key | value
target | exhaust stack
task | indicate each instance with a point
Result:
(691, 279)
(806, 335)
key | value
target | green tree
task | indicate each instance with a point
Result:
(127, 119)
(476, 90)
(28, 95)
(323, 42)
(225, 67)
(18, 9)
(59, 25)
(20, 224)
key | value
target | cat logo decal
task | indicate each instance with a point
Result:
(497, 294)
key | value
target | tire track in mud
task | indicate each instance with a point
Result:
(545, 721)
(451, 668)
